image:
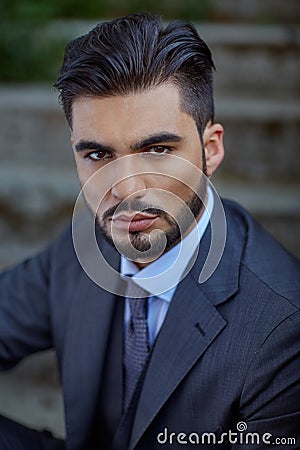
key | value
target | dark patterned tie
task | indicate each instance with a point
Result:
(136, 338)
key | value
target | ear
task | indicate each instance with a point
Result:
(213, 146)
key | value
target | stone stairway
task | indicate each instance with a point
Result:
(257, 87)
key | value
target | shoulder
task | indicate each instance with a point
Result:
(263, 259)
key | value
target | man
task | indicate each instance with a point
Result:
(156, 347)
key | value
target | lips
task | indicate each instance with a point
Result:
(133, 222)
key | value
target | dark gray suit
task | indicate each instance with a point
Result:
(229, 349)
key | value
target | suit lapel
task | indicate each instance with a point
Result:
(191, 325)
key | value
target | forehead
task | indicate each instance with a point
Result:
(134, 115)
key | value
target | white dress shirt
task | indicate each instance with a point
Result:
(161, 277)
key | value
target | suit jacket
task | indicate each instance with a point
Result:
(228, 351)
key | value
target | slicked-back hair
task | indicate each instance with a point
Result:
(136, 53)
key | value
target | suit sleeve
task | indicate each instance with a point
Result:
(270, 401)
(24, 314)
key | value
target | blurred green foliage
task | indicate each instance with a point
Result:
(27, 53)
(39, 10)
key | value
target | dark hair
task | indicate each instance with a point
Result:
(135, 53)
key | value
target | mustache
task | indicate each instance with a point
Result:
(135, 205)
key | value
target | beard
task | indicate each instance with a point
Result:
(142, 247)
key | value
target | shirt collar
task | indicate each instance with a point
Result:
(160, 278)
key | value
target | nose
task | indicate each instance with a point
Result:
(128, 181)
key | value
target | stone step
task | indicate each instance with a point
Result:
(35, 204)
(255, 60)
(261, 139)
(257, 11)
(32, 127)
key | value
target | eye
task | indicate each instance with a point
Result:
(98, 155)
(159, 150)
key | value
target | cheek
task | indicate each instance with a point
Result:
(170, 195)
(95, 182)
(94, 195)
(178, 189)
(83, 170)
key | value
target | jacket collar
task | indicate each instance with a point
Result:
(224, 281)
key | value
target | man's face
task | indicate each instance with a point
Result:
(124, 148)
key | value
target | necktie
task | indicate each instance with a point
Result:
(136, 338)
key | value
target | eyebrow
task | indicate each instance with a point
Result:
(83, 145)
(157, 138)
(153, 139)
